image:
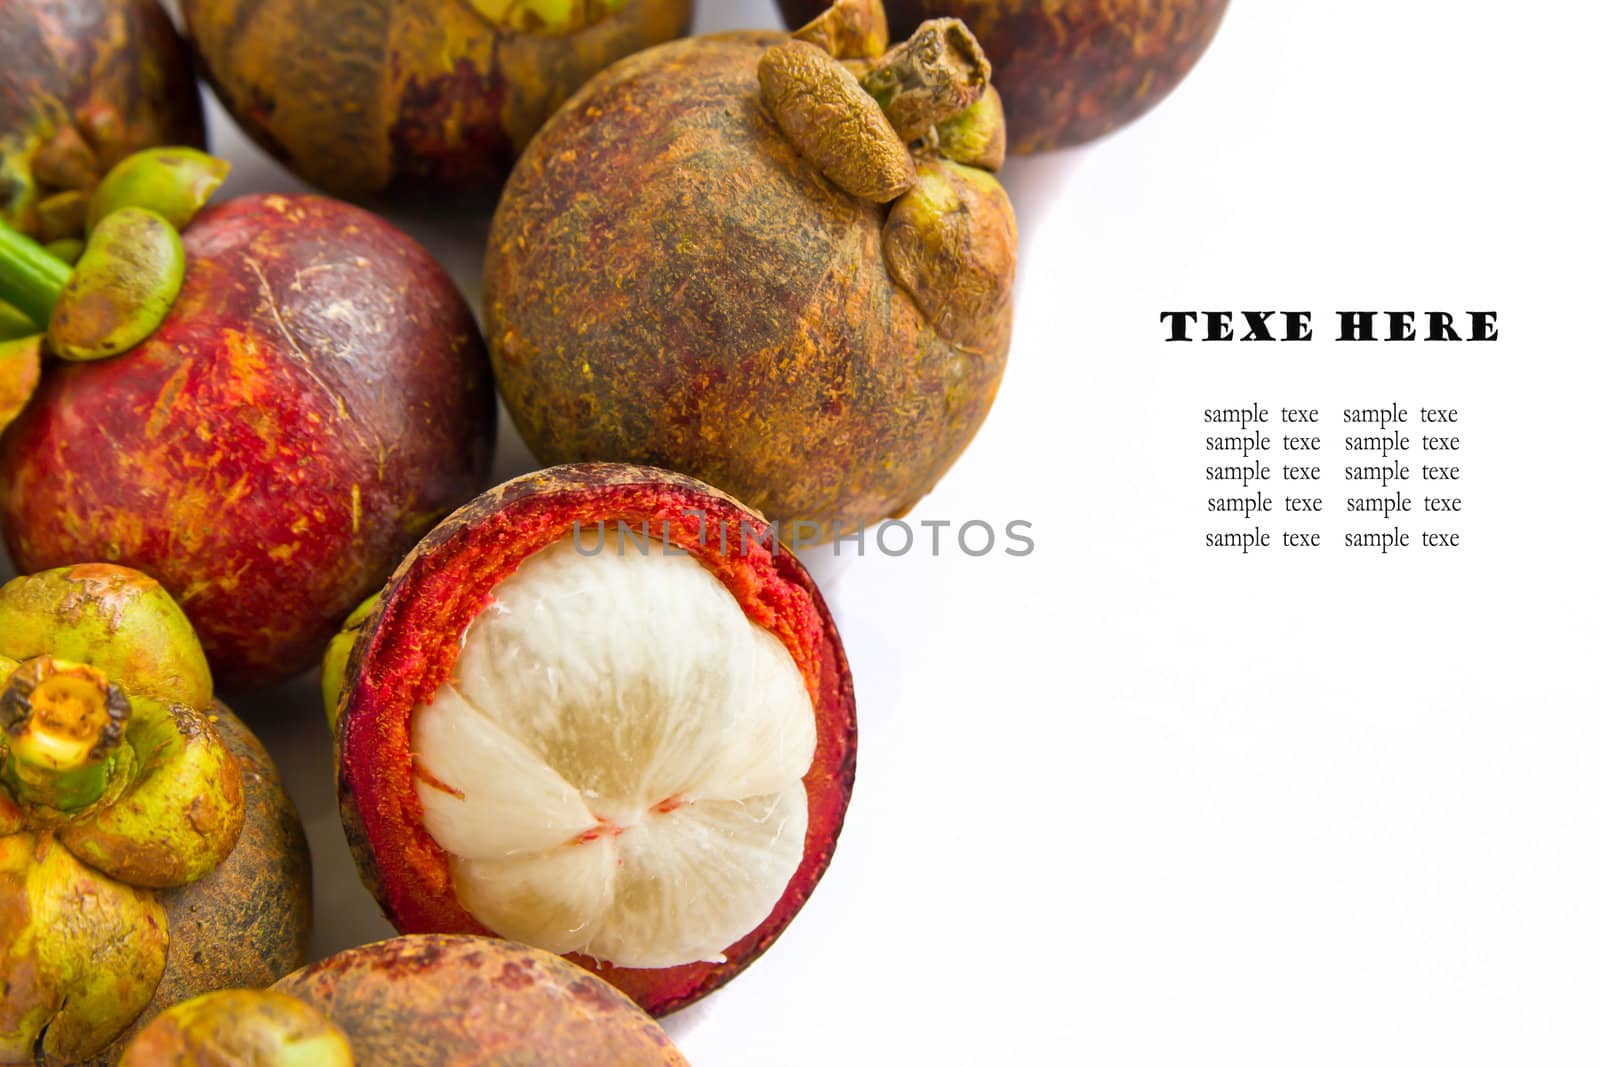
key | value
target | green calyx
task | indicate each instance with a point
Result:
(62, 724)
(174, 183)
(154, 800)
(112, 618)
(336, 660)
(181, 811)
(121, 288)
(75, 975)
(951, 244)
(111, 261)
(976, 136)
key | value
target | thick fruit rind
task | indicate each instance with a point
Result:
(408, 648)
(404, 99)
(423, 1000)
(113, 74)
(317, 398)
(247, 923)
(1069, 70)
(669, 281)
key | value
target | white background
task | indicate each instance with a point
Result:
(1127, 801)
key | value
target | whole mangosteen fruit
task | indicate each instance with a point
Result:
(782, 266)
(83, 84)
(400, 99)
(148, 852)
(1070, 70)
(603, 711)
(303, 394)
(417, 1001)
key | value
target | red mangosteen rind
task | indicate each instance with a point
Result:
(408, 648)
(316, 399)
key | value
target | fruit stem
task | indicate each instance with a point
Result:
(31, 279)
(62, 723)
(932, 76)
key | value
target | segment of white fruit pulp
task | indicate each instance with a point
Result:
(616, 766)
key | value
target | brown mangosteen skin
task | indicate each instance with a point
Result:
(248, 922)
(114, 70)
(406, 650)
(432, 1000)
(398, 100)
(1069, 71)
(317, 398)
(670, 282)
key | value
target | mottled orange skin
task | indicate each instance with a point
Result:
(399, 99)
(408, 648)
(1069, 70)
(423, 1001)
(317, 398)
(670, 282)
(114, 71)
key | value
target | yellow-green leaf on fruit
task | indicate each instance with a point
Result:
(19, 374)
(125, 282)
(175, 183)
(67, 249)
(977, 136)
(62, 215)
(14, 324)
(337, 658)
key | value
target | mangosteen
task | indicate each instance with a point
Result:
(401, 100)
(1070, 70)
(300, 394)
(416, 1001)
(83, 85)
(600, 710)
(148, 852)
(782, 266)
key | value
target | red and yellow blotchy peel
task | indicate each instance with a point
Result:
(409, 644)
(82, 86)
(1069, 70)
(128, 801)
(421, 1001)
(314, 401)
(411, 98)
(689, 267)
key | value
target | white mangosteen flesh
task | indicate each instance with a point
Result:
(615, 767)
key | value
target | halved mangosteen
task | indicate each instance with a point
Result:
(602, 711)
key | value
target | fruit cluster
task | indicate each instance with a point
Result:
(595, 727)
